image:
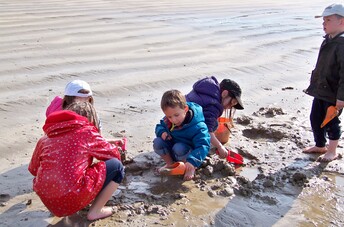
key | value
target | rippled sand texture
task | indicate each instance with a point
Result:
(136, 46)
(131, 52)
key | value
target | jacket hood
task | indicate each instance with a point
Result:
(63, 121)
(197, 112)
(209, 87)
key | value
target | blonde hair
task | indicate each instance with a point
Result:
(173, 98)
(67, 99)
(85, 109)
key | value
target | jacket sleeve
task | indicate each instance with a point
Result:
(101, 149)
(202, 145)
(211, 114)
(35, 159)
(161, 128)
(340, 91)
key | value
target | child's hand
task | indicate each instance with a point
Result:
(116, 142)
(165, 136)
(339, 104)
(222, 152)
(120, 143)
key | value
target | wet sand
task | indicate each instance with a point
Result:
(131, 52)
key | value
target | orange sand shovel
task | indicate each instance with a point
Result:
(331, 113)
(178, 168)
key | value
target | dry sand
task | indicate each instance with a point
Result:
(131, 52)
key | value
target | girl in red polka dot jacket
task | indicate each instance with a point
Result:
(66, 178)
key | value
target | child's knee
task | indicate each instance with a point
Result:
(334, 131)
(159, 146)
(120, 173)
(116, 168)
(180, 149)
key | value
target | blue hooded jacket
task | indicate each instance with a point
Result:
(206, 93)
(195, 134)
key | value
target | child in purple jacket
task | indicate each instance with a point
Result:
(214, 99)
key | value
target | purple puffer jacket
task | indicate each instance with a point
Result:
(206, 93)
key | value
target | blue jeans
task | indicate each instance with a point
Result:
(177, 151)
(114, 171)
(332, 129)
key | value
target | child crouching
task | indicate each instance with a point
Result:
(65, 177)
(182, 134)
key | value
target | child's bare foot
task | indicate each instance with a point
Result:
(159, 170)
(103, 213)
(315, 150)
(189, 171)
(189, 175)
(328, 157)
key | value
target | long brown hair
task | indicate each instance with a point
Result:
(85, 109)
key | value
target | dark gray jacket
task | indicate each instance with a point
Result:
(327, 80)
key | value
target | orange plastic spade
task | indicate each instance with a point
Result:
(233, 157)
(331, 113)
(178, 168)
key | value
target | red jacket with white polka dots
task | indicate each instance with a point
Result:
(66, 178)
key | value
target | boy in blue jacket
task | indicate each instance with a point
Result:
(182, 134)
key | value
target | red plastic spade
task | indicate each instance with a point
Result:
(233, 157)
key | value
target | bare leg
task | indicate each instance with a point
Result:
(168, 159)
(98, 209)
(331, 153)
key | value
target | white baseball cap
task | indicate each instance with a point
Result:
(333, 9)
(73, 88)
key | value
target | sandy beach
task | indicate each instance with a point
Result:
(130, 52)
